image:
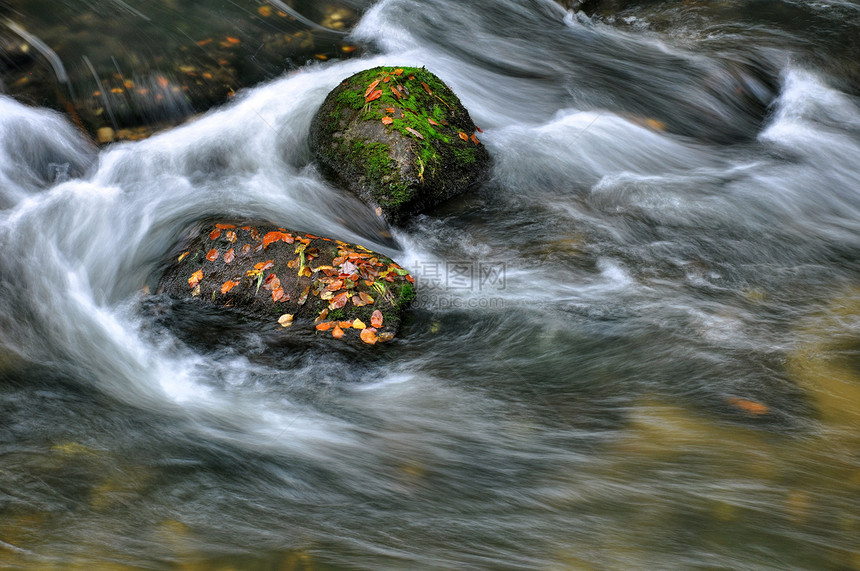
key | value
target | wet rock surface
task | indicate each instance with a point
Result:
(292, 279)
(123, 71)
(399, 139)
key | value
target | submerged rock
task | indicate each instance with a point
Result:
(293, 279)
(399, 138)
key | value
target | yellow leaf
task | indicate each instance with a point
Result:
(358, 324)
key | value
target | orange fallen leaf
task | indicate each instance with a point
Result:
(195, 278)
(271, 237)
(750, 406)
(368, 335)
(432, 122)
(246, 248)
(322, 316)
(376, 319)
(232, 40)
(212, 255)
(324, 326)
(395, 92)
(264, 265)
(304, 297)
(373, 96)
(474, 139)
(231, 236)
(365, 297)
(370, 88)
(229, 255)
(215, 233)
(426, 88)
(339, 300)
(225, 226)
(414, 132)
(264, 11)
(162, 82)
(345, 324)
(278, 294)
(389, 109)
(387, 120)
(398, 71)
(348, 49)
(387, 79)
(228, 285)
(463, 136)
(182, 256)
(337, 332)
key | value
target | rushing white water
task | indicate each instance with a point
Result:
(668, 240)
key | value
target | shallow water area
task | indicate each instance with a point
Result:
(634, 347)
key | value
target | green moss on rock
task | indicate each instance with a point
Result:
(399, 138)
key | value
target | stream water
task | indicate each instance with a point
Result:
(637, 346)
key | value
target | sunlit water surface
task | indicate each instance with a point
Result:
(635, 347)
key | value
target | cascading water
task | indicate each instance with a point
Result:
(634, 347)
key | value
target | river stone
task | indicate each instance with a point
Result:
(399, 138)
(269, 273)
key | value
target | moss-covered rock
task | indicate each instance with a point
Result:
(296, 280)
(399, 139)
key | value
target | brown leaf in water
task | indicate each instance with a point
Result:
(212, 255)
(750, 406)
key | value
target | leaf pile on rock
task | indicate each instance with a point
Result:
(272, 273)
(399, 138)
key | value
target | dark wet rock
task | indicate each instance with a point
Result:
(398, 138)
(297, 280)
(148, 67)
